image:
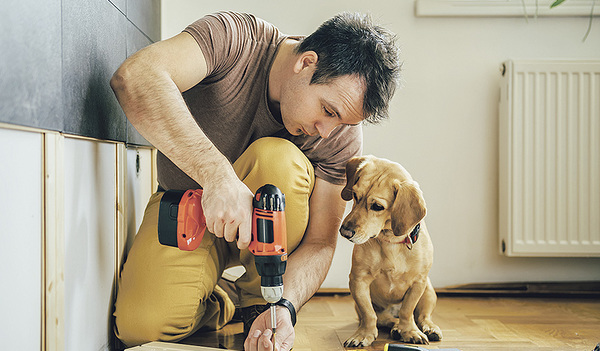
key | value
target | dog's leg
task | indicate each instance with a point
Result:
(367, 319)
(406, 329)
(423, 314)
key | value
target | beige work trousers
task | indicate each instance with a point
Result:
(167, 294)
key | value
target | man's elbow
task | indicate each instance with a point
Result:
(132, 72)
(120, 79)
(126, 83)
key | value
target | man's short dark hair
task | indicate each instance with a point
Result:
(350, 44)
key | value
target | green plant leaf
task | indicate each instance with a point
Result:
(556, 3)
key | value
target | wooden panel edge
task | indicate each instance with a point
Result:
(53, 232)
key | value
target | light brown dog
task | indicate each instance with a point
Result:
(392, 253)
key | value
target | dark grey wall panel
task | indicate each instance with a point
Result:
(94, 46)
(145, 14)
(121, 5)
(57, 58)
(136, 40)
(30, 63)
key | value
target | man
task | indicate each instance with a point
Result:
(232, 104)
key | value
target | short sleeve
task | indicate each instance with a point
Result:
(340, 149)
(222, 37)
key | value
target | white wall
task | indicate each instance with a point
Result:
(444, 124)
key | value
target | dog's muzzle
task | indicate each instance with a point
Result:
(346, 232)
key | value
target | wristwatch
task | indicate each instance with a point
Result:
(285, 303)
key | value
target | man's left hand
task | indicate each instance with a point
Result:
(259, 337)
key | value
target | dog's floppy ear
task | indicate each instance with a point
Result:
(352, 170)
(409, 206)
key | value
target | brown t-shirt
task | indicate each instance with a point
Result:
(231, 105)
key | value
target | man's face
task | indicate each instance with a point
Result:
(313, 109)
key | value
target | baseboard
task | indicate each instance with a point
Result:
(333, 291)
(579, 289)
(583, 289)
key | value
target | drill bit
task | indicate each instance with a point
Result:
(273, 323)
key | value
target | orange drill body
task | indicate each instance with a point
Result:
(268, 241)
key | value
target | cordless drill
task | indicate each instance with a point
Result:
(181, 223)
(269, 244)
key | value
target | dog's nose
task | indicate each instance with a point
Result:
(346, 232)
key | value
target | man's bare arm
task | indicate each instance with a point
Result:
(148, 86)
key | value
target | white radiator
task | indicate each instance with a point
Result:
(549, 181)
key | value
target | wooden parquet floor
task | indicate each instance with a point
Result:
(468, 324)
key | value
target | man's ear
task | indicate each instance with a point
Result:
(352, 169)
(305, 60)
(409, 207)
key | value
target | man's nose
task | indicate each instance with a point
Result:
(326, 126)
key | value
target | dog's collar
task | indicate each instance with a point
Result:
(412, 237)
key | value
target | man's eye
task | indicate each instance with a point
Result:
(327, 112)
(377, 207)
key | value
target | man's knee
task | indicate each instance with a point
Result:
(278, 158)
(139, 328)
(136, 323)
(163, 294)
(281, 163)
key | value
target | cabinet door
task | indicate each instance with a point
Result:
(90, 253)
(21, 233)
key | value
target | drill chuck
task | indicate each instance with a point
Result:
(271, 270)
(271, 294)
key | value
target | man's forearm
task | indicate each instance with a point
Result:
(309, 263)
(155, 107)
(306, 271)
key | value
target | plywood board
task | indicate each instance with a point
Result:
(165, 346)
(54, 214)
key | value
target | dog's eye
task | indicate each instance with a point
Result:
(377, 207)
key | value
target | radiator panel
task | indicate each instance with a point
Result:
(550, 158)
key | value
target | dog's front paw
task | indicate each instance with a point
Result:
(362, 337)
(411, 336)
(433, 332)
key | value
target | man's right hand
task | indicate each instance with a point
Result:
(227, 206)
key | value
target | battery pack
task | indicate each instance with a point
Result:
(181, 221)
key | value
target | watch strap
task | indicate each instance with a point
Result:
(285, 303)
